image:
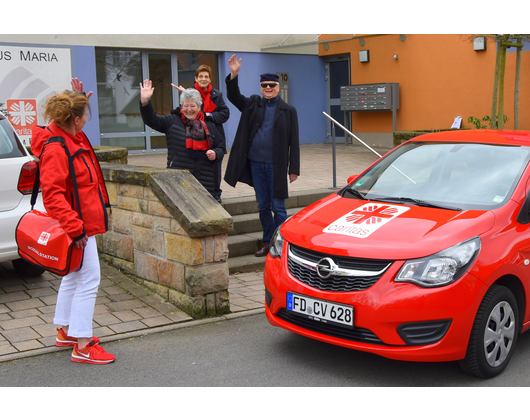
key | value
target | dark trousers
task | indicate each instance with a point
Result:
(262, 178)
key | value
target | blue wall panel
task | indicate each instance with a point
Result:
(84, 68)
(307, 89)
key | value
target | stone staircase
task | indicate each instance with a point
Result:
(246, 237)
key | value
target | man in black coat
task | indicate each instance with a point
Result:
(266, 148)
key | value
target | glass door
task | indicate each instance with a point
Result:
(337, 75)
(118, 77)
(119, 74)
(159, 71)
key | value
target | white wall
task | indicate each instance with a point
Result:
(212, 42)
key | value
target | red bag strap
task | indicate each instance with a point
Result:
(57, 139)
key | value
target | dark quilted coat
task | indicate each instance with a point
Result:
(178, 157)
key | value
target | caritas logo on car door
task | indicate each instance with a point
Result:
(365, 220)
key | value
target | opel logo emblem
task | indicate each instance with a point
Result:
(325, 268)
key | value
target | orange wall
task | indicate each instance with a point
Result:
(440, 77)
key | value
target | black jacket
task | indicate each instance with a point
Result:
(286, 148)
(221, 114)
(178, 157)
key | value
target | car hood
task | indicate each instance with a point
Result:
(372, 229)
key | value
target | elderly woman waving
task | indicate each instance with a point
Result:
(192, 142)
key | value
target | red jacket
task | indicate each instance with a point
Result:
(57, 190)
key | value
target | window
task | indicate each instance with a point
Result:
(9, 146)
(119, 74)
(189, 62)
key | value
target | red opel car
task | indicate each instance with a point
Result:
(425, 256)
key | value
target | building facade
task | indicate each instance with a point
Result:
(112, 66)
(438, 78)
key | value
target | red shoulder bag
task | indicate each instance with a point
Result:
(40, 238)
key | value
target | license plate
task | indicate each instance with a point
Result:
(320, 310)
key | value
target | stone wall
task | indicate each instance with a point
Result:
(111, 154)
(169, 232)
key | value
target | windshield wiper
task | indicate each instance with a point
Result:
(354, 192)
(422, 203)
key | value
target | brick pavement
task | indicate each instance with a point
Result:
(123, 307)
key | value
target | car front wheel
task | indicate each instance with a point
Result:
(494, 334)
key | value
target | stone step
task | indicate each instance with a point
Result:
(244, 244)
(244, 205)
(247, 235)
(245, 223)
(245, 264)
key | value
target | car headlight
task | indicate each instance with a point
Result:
(441, 268)
(276, 244)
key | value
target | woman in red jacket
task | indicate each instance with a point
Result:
(67, 113)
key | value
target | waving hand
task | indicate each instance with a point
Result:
(146, 91)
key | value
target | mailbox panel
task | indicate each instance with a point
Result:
(373, 97)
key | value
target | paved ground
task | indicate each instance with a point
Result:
(316, 167)
(124, 308)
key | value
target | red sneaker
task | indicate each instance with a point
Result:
(92, 353)
(64, 340)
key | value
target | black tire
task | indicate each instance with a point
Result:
(494, 334)
(27, 269)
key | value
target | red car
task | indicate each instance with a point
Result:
(423, 257)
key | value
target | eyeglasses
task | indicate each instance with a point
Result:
(269, 84)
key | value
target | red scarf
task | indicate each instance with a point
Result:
(208, 105)
(197, 135)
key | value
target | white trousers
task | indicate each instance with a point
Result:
(77, 295)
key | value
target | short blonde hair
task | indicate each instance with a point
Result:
(63, 107)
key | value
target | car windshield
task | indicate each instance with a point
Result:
(9, 146)
(458, 176)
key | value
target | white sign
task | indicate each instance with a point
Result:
(365, 220)
(29, 75)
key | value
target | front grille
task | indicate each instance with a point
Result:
(307, 274)
(360, 335)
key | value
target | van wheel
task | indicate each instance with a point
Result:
(27, 269)
(494, 334)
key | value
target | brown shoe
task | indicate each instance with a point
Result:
(263, 251)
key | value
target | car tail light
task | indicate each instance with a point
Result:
(27, 177)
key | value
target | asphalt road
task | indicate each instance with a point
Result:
(247, 352)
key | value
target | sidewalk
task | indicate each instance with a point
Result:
(125, 309)
(316, 167)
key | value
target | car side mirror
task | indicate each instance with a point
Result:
(351, 178)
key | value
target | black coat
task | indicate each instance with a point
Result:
(178, 157)
(221, 114)
(286, 148)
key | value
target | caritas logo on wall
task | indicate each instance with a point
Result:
(22, 114)
(365, 220)
(29, 75)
